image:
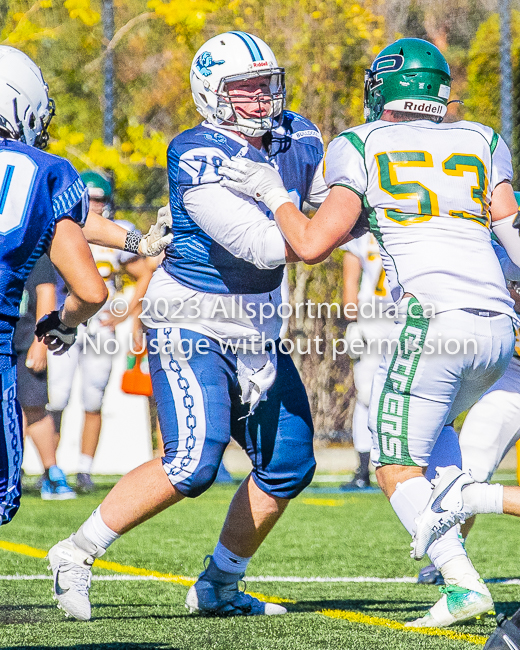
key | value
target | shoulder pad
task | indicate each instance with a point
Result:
(201, 136)
(297, 127)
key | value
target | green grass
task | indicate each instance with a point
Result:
(358, 536)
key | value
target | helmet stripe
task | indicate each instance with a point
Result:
(251, 45)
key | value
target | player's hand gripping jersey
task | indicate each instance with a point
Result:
(36, 190)
(428, 188)
(225, 243)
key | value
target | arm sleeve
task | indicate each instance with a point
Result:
(511, 271)
(508, 237)
(502, 169)
(319, 190)
(345, 166)
(237, 224)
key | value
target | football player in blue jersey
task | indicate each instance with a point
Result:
(43, 203)
(217, 368)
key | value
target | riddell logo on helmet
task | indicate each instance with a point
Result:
(260, 64)
(423, 108)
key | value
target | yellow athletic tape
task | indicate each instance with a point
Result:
(23, 549)
(357, 617)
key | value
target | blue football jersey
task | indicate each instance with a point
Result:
(193, 258)
(37, 189)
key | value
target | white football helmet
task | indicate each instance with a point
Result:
(25, 107)
(234, 56)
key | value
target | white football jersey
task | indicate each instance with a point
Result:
(374, 285)
(427, 188)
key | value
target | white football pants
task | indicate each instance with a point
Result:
(445, 365)
(492, 426)
(94, 368)
(373, 330)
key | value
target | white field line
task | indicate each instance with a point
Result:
(249, 578)
(293, 579)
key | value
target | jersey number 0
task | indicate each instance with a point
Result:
(17, 172)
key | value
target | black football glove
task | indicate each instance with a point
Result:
(516, 222)
(56, 336)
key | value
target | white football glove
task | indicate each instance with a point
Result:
(354, 336)
(159, 235)
(258, 180)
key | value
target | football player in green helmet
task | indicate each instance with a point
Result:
(99, 193)
(409, 76)
(433, 192)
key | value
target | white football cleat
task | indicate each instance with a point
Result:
(71, 568)
(456, 605)
(445, 509)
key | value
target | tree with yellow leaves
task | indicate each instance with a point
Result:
(324, 46)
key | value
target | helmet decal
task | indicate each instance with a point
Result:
(389, 63)
(205, 62)
(251, 45)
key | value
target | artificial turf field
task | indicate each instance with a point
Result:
(322, 534)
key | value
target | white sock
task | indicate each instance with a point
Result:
(446, 548)
(85, 464)
(410, 499)
(483, 498)
(95, 530)
(227, 561)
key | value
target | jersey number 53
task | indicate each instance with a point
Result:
(428, 204)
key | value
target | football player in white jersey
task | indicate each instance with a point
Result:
(95, 367)
(220, 278)
(492, 425)
(433, 192)
(366, 302)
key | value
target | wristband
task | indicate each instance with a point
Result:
(133, 237)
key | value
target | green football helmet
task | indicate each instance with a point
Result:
(98, 187)
(410, 76)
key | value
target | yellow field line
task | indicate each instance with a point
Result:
(352, 617)
(23, 549)
(324, 502)
(357, 617)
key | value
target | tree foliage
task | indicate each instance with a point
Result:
(482, 102)
(324, 46)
